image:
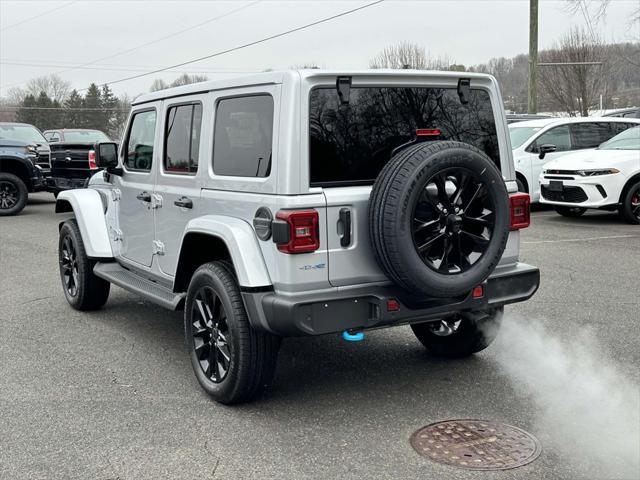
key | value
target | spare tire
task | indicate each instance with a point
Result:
(439, 218)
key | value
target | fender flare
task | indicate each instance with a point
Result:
(86, 204)
(241, 241)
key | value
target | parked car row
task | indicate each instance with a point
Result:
(579, 163)
(607, 178)
(31, 161)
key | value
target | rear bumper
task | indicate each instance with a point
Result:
(55, 184)
(366, 307)
(37, 180)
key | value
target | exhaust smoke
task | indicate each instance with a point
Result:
(588, 409)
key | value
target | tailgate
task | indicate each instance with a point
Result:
(70, 160)
(351, 262)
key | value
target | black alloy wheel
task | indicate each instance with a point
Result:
(231, 360)
(82, 288)
(13, 194)
(8, 195)
(453, 221)
(209, 331)
(630, 204)
(635, 203)
(69, 267)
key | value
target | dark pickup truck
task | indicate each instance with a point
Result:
(72, 157)
(24, 164)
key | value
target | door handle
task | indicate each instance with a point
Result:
(344, 220)
(184, 202)
(144, 197)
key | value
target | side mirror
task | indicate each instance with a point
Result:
(107, 157)
(546, 148)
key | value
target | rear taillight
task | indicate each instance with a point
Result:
(303, 235)
(92, 160)
(519, 204)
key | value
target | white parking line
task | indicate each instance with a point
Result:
(588, 239)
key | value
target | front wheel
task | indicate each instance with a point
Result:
(232, 362)
(83, 289)
(572, 212)
(461, 334)
(630, 208)
(13, 194)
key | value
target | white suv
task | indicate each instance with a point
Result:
(607, 178)
(536, 142)
(306, 203)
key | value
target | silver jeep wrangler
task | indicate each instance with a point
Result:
(306, 203)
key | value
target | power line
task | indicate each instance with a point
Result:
(47, 12)
(170, 35)
(271, 37)
(146, 44)
(119, 69)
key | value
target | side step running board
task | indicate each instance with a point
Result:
(154, 292)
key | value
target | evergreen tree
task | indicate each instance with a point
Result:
(73, 114)
(25, 113)
(109, 105)
(92, 105)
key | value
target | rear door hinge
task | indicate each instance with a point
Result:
(116, 194)
(116, 234)
(156, 201)
(158, 248)
(464, 90)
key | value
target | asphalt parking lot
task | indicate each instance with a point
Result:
(111, 394)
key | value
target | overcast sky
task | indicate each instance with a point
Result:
(68, 33)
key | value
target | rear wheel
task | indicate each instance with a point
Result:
(630, 209)
(13, 194)
(83, 289)
(461, 334)
(232, 362)
(572, 212)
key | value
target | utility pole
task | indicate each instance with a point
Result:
(532, 103)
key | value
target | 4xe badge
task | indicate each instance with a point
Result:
(317, 266)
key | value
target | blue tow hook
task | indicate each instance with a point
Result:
(353, 336)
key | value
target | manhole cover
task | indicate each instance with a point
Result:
(476, 444)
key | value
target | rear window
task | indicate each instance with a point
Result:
(350, 144)
(85, 136)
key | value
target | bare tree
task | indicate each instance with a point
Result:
(573, 86)
(409, 55)
(158, 84)
(595, 10)
(184, 79)
(56, 88)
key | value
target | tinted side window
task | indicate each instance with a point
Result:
(242, 136)
(590, 135)
(182, 138)
(558, 136)
(139, 155)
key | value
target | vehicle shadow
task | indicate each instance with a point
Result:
(594, 217)
(40, 200)
(389, 368)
